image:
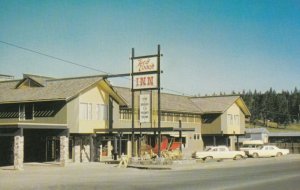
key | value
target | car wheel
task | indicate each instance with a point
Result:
(278, 154)
(255, 155)
(208, 158)
(238, 157)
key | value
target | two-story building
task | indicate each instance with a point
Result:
(223, 119)
(45, 119)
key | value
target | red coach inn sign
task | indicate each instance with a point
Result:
(146, 77)
(145, 65)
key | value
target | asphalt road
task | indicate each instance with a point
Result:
(271, 173)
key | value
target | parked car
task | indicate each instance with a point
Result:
(219, 152)
(267, 151)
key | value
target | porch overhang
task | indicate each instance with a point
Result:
(139, 130)
(16, 129)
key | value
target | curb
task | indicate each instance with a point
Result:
(150, 167)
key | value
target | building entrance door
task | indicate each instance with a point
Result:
(52, 149)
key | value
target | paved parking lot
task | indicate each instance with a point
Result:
(185, 175)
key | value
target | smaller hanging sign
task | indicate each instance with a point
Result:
(145, 108)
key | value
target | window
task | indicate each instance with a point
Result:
(176, 117)
(170, 117)
(103, 112)
(26, 112)
(229, 119)
(164, 116)
(125, 114)
(236, 119)
(89, 111)
(191, 118)
(197, 136)
(85, 111)
(97, 110)
(197, 118)
(183, 117)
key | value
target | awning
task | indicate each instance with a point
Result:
(139, 130)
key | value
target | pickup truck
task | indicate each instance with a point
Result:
(251, 145)
(267, 151)
(219, 152)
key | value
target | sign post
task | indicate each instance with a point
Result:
(145, 76)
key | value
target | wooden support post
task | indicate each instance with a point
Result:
(215, 140)
(180, 135)
(92, 149)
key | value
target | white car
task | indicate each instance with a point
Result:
(218, 152)
(267, 151)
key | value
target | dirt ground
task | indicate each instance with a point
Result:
(53, 176)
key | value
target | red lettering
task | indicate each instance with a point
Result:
(143, 81)
(137, 81)
(145, 65)
(150, 81)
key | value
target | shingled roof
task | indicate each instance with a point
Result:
(219, 104)
(214, 104)
(53, 89)
(169, 102)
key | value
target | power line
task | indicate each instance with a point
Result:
(98, 70)
(175, 91)
(87, 67)
(53, 57)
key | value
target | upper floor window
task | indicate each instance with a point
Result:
(170, 117)
(176, 117)
(229, 119)
(125, 114)
(163, 116)
(85, 110)
(183, 117)
(236, 119)
(197, 118)
(89, 111)
(26, 111)
(191, 118)
(102, 112)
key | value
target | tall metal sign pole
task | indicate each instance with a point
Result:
(146, 76)
(158, 91)
(132, 104)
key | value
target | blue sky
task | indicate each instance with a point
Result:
(208, 46)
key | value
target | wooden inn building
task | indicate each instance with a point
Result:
(81, 119)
